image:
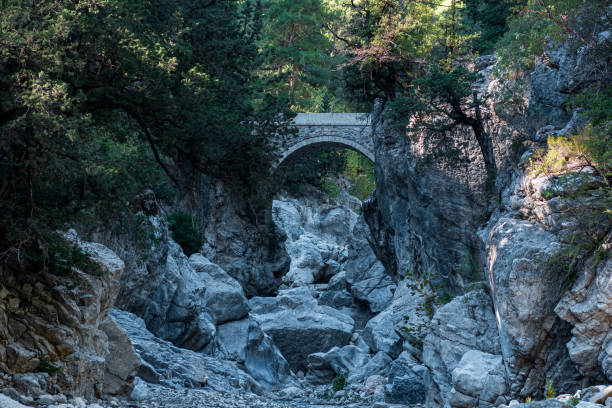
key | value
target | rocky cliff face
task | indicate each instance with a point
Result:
(429, 198)
(535, 322)
(55, 335)
(537, 223)
(238, 237)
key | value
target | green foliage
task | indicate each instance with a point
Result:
(536, 23)
(53, 254)
(100, 101)
(487, 19)
(330, 187)
(573, 401)
(550, 390)
(360, 172)
(440, 101)
(339, 382)
(295, 50)
(597, 105)
(321, 167)
(314, 168)
(185, 232)
(559, 153)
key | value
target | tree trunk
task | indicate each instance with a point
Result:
(486, 147)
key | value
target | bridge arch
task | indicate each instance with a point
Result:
(351, 130)
(303, 145)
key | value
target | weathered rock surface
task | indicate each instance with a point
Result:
(407, 381)
(478, 380)
(244, 341)
(163, 363)
(121, 363)
(541, 218)
(588, 307)
(299, 326)
(567, 69)
(223, 295)
(50, 322)
(233, 241)
(466, 323)
(366, 275)
(524, 294)
(167, 292)
(324, 240)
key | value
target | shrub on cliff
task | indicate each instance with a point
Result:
(185, 232)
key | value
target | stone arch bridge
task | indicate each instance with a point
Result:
(351, 130)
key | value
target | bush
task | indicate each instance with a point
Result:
(185, 232)
(339, 382)
(55, 255)
(550, 390)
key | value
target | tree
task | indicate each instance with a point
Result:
(99, 101)
(442, 101)
(296, 51)
(385, 43)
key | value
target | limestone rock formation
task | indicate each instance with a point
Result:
(299, 326)
(55, 323)
(478, 380)
(121, 363)
(465, 324)
(588, 307)
(243, 341)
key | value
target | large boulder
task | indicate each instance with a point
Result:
(525, 288)
(466, 323)
(367, 277)
(122, 362)
(322, 367)
(407, 381)
(169, 294)
(478, 380)
(181, 299)
(164, 363)
(306, 261)
(299, 326)
(377, 365)
(380, 334)
(244, 341)
(223, 296)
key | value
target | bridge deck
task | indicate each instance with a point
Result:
(332, 119)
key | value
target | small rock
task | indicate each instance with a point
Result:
(513, 402)
(140, 391)
(585, 404)
(46, 399)
(602, 396)
(291, 392)
(60, 398)
(79, 402)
